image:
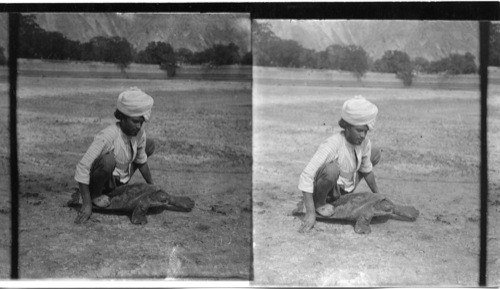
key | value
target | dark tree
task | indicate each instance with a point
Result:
(285, 53)
(392, 61)
(322, 60)
(350, 58)
(398, 62)
(30, 37)
(405, 73)
(307, 58)
(123, 52)
(53, 46)
(72, 50)
(160, 53)
(335, 55)
(184, 55)
(355, 61)
(201, 57)
(263, 39)
(247, 59)
(454, 64)
(421, 64)
(35, 42)
(224, 54)
(116, 50)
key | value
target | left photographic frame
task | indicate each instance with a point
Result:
(90, 66)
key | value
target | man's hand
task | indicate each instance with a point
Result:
(370, 181)
(308, 224)
(146, 173)
(83, 214)
(310, 218)
(86, 209)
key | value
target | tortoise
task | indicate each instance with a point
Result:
(362, 207)
(138, 198)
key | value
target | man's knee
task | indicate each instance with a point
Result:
(150, 146)
(376, 155)
(105, 163)
(330, 173)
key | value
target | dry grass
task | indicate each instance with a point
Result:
(430, 143)
(203, 134)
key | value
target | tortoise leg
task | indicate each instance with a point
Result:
(362, 225)
(139, 215)
(406, 211)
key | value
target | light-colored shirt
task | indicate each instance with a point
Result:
(349, 158)
(126, 150)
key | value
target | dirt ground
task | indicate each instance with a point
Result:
(203, 139)
(430, 160)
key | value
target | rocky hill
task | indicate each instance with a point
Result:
(429, 39)
(193, 31)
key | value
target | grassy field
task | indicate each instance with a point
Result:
(430, 159)
(203, 134)
(429, 135)
(100, 70)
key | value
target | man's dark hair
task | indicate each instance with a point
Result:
(344, 124)
(120, 115)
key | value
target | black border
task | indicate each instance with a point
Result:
(14, 168)
(471, 10)
(484, 30)
(454, 11)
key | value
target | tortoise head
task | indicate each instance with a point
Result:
(175, 203)
(161, 196)
(181, 203)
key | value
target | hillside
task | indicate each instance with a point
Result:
(193, 31)
(429, 39)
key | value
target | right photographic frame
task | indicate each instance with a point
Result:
(367, 153)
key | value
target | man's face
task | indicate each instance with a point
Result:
(132, 125)
(356, 134)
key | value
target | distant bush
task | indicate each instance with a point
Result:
(35, 42)
(420, 64)
(270, 50)
(392, 61)
(184, 55)
(263, 38)
(247, 58)
(454, 64)
(347, 58)
(217, 55)
(115, 50)
(160, 53)
(226, 54)
(405, 73)
(398, 62)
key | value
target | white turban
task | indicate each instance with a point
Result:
(134, 102)
(359, 111)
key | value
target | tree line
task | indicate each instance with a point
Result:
(36, 43)
(274, 51)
